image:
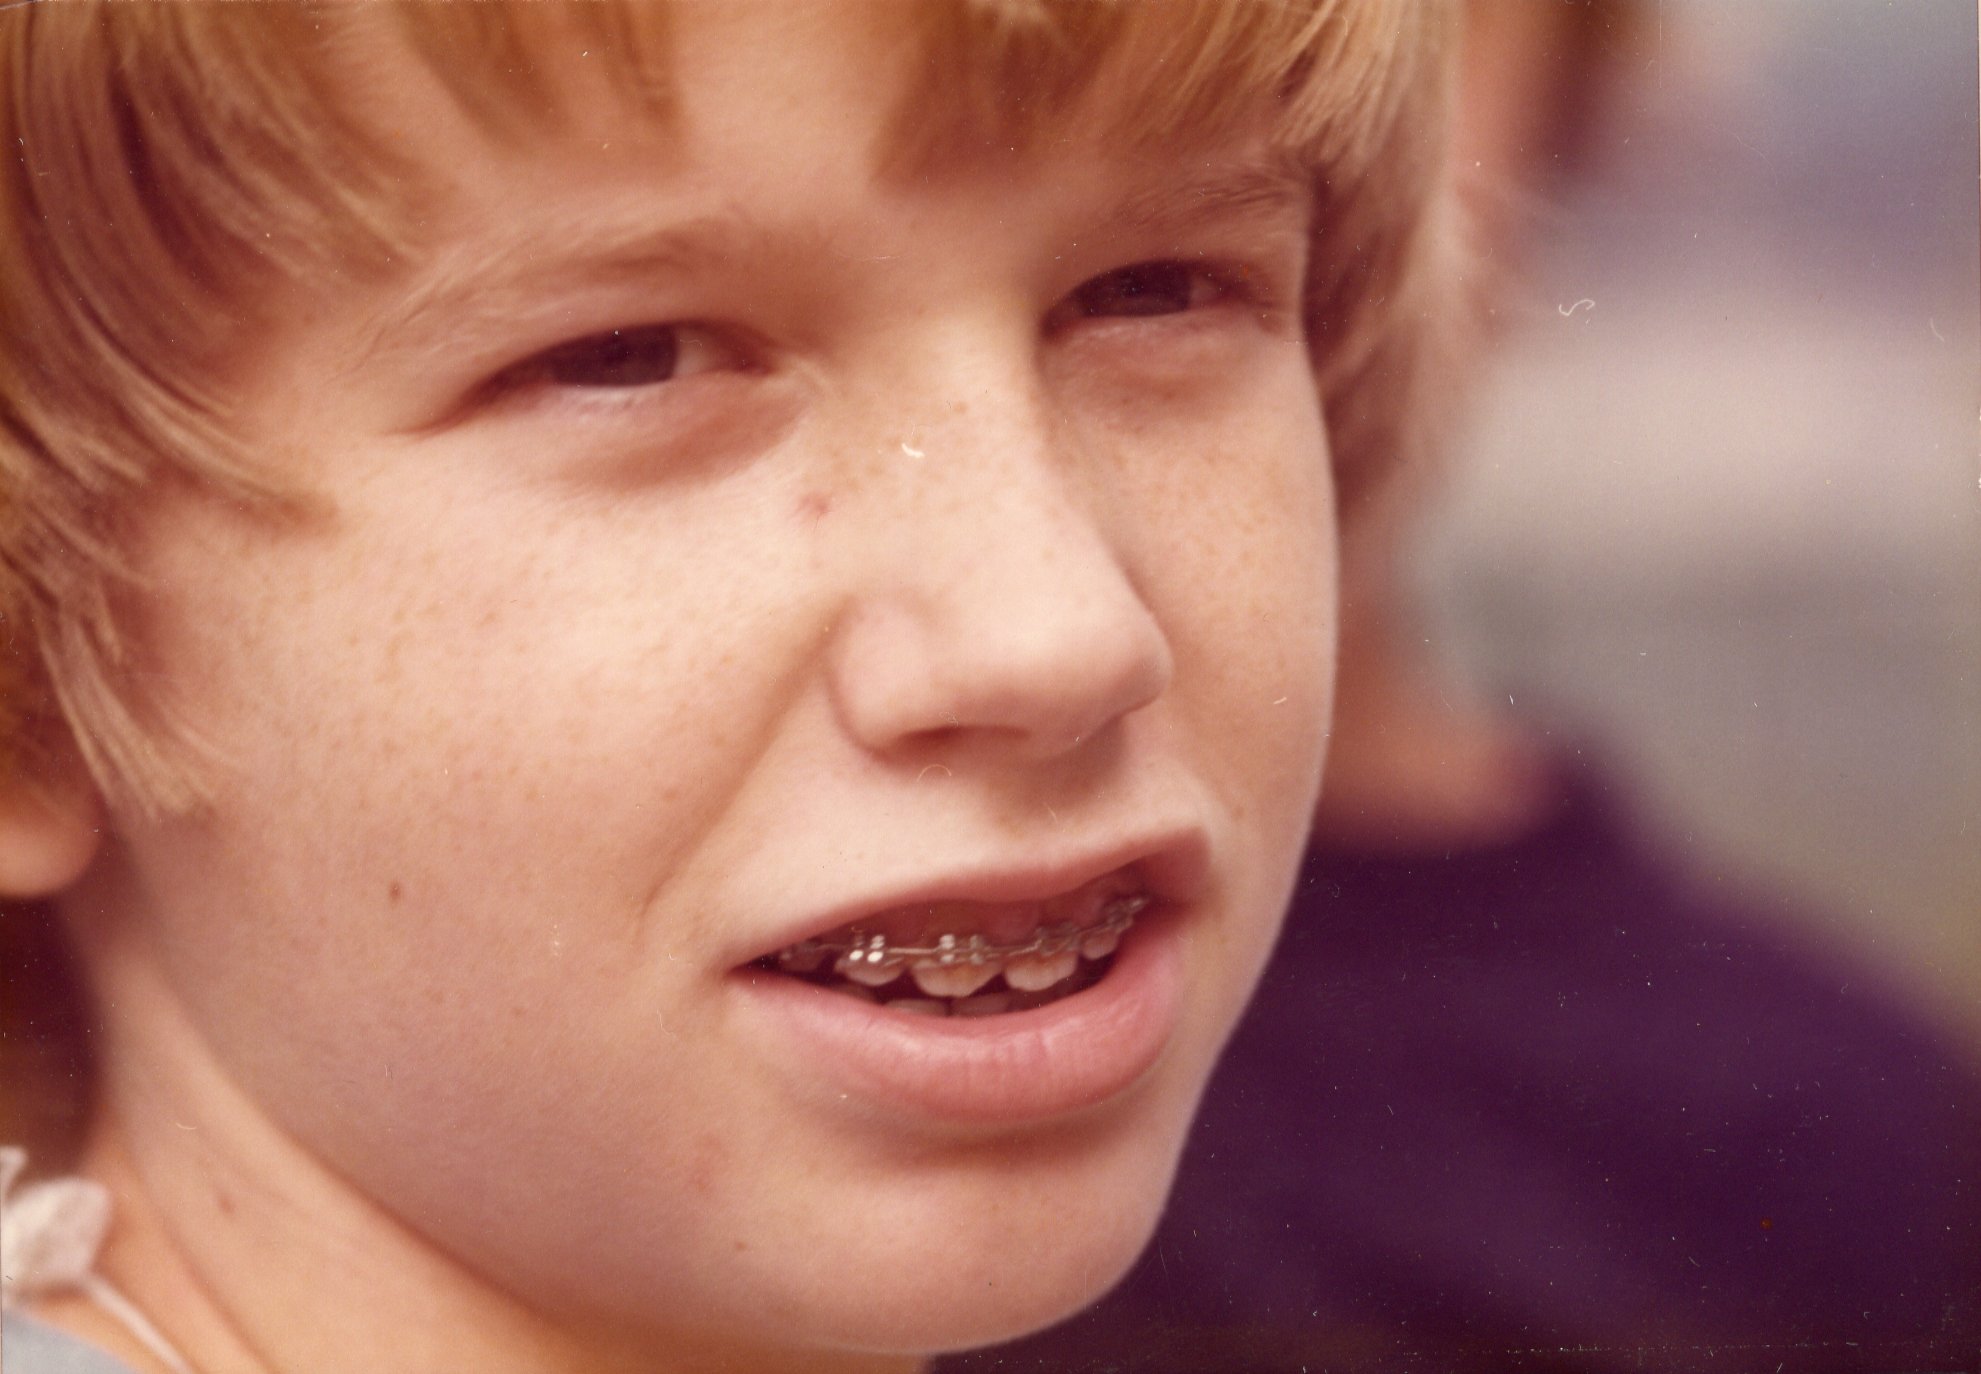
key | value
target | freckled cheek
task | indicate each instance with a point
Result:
(1247, 595)
(486, 686)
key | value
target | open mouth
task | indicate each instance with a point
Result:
(961, 958)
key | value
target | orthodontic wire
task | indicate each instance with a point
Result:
(950, 951)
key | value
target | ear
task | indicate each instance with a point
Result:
(50, 828)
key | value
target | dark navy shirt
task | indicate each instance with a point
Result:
(1556, 1106)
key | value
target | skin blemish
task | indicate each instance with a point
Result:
(394, 892)
(814, 506)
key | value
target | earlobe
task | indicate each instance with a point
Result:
(50, 830)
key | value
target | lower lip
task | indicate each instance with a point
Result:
(1020, 1066)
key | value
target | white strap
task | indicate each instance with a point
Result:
(49, 1236)
(49, 1232)
(99, 1291)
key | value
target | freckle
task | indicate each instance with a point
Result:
(395, 891)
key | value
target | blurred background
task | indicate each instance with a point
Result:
(1718, 504)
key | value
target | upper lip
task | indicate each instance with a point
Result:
(1172, 863)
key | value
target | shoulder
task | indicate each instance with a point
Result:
(31, 1347)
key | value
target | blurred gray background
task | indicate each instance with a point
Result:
(1719, 506)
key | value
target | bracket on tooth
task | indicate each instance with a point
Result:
(948, 950)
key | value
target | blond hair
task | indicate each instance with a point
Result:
(169, 163)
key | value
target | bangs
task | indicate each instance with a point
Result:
(207, 145)
(1324, 79)
(515, 66)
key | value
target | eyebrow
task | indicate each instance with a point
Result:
(508, 277)
(1272, 189)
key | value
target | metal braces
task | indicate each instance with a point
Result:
(951, 950)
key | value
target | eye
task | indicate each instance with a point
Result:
(621, 359)
(1146, 288)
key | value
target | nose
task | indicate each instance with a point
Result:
(997, 609)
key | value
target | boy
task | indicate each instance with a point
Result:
(683, 652)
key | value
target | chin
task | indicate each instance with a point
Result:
(1016, 1239)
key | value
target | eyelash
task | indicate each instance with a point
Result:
(658, 347)
(1203, 284)
(1176, 286)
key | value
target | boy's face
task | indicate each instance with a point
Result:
(959, 535)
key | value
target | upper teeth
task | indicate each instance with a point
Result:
(958, 965)
(953, 980)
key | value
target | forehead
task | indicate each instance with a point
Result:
(742, 119)
(913, 88)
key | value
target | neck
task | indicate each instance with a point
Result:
(252, 1255)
